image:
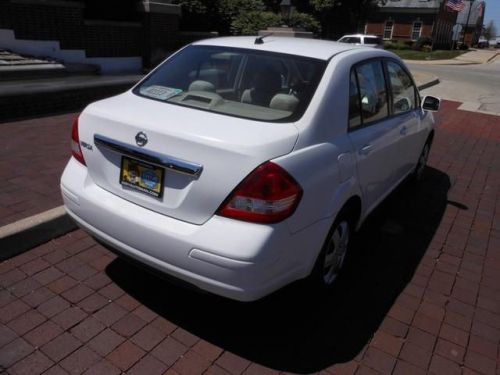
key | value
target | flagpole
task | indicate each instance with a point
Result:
(467, 23)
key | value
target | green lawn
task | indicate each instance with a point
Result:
(434, 55)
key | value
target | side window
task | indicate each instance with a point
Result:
(403, 90)
(371, 86)
(354, 103)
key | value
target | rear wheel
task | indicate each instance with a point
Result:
(332, 256)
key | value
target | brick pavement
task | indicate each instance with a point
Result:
(420, 293)
(32, 157)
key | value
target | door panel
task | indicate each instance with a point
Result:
(373, 135)
(404, 105)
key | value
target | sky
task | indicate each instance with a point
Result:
(493, 13)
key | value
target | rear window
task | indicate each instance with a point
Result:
(236, 82)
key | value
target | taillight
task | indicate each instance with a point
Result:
(267, 195)
(76, 151)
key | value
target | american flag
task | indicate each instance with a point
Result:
(457, 5)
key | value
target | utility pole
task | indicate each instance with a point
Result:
(467, 22)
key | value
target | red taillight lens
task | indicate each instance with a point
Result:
(267, 195)
(76, 151)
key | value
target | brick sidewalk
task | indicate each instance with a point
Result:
(33, 154)
(420, 293)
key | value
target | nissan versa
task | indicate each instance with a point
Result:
(242, 164)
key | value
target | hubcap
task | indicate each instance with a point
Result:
(335, 252)
(422, 161)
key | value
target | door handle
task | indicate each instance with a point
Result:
(366, 149)
(403, 130)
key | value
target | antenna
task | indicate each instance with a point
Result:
(260, 39)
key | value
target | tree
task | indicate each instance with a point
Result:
(229, 10)
(218, 15)
(339, 17)
(249, 23)
(490, 32)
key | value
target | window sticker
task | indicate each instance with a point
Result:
(160, 92)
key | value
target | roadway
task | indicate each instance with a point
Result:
(476, 86)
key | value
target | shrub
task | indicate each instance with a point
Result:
(305, 21)
(249, 23)
(422, 42)
(395, 45)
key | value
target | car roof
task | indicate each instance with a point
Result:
(314, 48)
(361, 35)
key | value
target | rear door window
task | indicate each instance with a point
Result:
(372, 91)
(372, 40)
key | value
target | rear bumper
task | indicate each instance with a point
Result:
(235, 259)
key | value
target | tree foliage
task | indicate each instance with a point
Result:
(305, 21)
(249, 23)
(490, 31)
(332, 18)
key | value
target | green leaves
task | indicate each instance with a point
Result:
(249, 23)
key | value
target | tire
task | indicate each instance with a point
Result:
(417, 174)
(332, 256)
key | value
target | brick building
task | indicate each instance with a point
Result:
(408, 20)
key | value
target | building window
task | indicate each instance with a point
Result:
(416, 30)
(388, 28)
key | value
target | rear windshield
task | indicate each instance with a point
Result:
(237, 82)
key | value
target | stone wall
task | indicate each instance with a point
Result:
(157, 34)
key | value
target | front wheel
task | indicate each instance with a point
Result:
(421, 163)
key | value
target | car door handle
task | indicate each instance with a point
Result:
(403, 130)
(366, 149)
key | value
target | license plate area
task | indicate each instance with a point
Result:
(143, 177)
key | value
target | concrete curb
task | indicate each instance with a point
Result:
(25, 234)
(493, 57)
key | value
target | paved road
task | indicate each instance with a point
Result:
(419, 294)
(476, 85)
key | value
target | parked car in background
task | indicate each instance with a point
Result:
(363, 40)
(483, 43)
(240, 164)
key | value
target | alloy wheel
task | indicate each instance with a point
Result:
(422, 162)
(335, 252)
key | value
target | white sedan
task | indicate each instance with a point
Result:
(242, 164)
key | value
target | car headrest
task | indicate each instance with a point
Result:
(284, 102)
(201, 86)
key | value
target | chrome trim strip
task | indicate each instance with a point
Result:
(165, 161)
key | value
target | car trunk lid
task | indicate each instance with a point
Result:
(203, 155)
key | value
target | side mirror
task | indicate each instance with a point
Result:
(431, 103)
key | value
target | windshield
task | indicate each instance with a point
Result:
(237, 82)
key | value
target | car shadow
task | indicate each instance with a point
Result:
(296, 329)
